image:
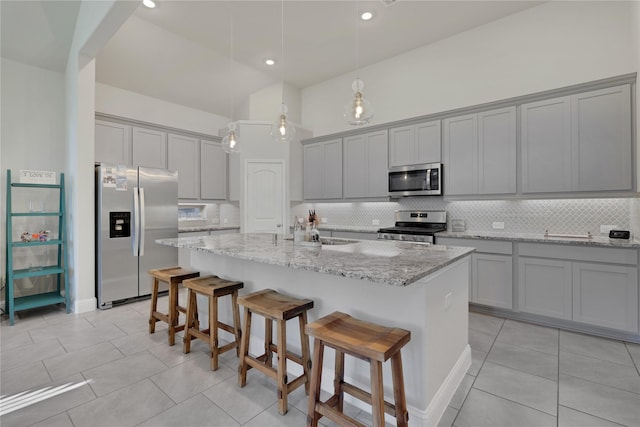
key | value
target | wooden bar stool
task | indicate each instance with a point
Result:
(173, 276)
(366, 341)
(274, 306)
(212, 287)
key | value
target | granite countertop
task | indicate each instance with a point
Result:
(391, 263)
(539, 238)
(352, 228)
(210, 227)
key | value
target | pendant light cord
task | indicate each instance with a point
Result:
(231, 71)
(357, 44)
(282, 49)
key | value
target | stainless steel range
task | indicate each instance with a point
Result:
(415, 226)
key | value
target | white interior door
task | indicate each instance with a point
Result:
(265, 196)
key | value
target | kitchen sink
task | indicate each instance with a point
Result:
(336, 241)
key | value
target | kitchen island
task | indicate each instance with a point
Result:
(421, 288)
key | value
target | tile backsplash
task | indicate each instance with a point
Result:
(575, 216)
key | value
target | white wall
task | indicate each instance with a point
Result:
(266, 103)
(549, 46)
(32, 131)
(131, 105)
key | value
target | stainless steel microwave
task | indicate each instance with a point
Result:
(415, 180)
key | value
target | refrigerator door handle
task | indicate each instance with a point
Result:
(135, 239)
(142, 221)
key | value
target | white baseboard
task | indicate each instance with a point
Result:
(84, 305)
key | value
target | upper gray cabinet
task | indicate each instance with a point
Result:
(601, 140)
(580, 142)
(365, 165)
(113, 143)
(415, 144)
(546, 145)
(149, 148)
(184, 155)
(322, 170)
(480, 153)
(213, 171)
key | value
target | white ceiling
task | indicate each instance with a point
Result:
(180, 50)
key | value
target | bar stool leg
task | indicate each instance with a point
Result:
(304, 342)
(189, 323)
(377, 394)
(244, 348)
(173, 312)
(338, 380)
(213, 332)
(316, 379)
(268, 341)
(283, 392)
(402, 416)
(154, 305)
(236, 321)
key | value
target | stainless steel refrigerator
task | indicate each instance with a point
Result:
(134, 207)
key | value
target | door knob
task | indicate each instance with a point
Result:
(278, 225)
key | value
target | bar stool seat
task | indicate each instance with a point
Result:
(366, 341)
(213, 288)
(173, 276)
(277, 307)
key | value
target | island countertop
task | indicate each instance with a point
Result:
(387, 262)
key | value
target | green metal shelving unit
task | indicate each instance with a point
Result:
(60, 295)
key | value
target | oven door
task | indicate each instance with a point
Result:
(415, 180)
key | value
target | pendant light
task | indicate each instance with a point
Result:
(358, 111)
(230, 142)
(282, 130)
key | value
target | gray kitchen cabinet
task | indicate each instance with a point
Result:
(213, 171)
(601, 144)
(184, 155)
(497, 151)
(491, 270)
(415, 144)
(606, 295)
(322, 170)
(461, 155)
(149, 148)
(578, 143)
(491, 280)
(112, 143)
(546, 145)
(480, 153)
(366, 165)
(545, 287)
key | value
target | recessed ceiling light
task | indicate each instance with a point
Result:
(366, 16)
(149, 3)
(269, 61)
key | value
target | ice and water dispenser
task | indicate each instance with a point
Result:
(119, 224)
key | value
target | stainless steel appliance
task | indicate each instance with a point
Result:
(134, 207)
(415, 180)
(415, 226)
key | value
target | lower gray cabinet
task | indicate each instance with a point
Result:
(545, 287)
(606, 295)
(491, 280)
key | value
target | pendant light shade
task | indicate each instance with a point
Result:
(358, 111)
(230, 142)
(281, 129)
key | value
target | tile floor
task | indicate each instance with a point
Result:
(522, 375)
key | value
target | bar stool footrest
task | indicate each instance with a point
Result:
(365, 396)
(326, 410)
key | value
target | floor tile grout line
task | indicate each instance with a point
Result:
(591, 415)
(624, 365)
(558, 384)
(479, 370)
(604, 385)
(517, 403)
(636, 365)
